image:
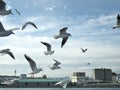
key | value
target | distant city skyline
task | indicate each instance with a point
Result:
(89, 21)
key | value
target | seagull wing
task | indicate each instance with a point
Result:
(63, 83)
(27, 23)
(47, 45)
(85, 49)
(4, 50)
(63, 30)
(14, 29)
(64, 41)
(1, 27)
(17, 12)
(11, 54)
(82, 50)
(31, 62)
(56, 62)
(118, 19)
(2, 5)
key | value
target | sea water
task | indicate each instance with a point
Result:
(59, 89)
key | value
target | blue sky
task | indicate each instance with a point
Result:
(89, 21)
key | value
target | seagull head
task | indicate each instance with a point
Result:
(10, 12)
(12, 32)
(53, 51)
(70, 34)
(40, 69)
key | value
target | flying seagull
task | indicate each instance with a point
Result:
(7, 51)
(84, 50)
(17, 12)
(55, 65)
(4, 32)
(63, 83)
(3, 10)
(49, 51)
(88, 63)
(29, 23)
(64, 35)
(7, 81)
(33, 66)
(118, 22)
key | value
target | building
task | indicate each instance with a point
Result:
(114, 77)
(24, 81)
(102, 74)
(79, 78)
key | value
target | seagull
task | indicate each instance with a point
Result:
(4, 32)
(33, 66)
(118, 22)
(29, 23)
(7, 51)
(7, 81)
(63, 83)
(3, 10)
(88, 63)
(64, 35)
(55, 65)
(49, 51)
(83, 50)
(17, 12)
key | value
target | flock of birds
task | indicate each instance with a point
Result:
(62, 34)
(3, 33)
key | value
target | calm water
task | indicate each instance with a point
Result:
(59, 89)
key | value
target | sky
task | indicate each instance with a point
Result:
(90, 23)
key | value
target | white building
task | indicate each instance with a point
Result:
(79, 78)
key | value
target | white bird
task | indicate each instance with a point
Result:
(63, 83)
(29, 23)
(7, 81)
(17, 12)
(55, 65)
(118, 22)
(33, 66)
(7, 51)
(4, 32)
(64, 35)
(3, 10)
(49, 51)
(84, 50)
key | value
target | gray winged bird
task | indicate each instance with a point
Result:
(118, 22)
(4, 32)
(7, 51)
(64, 35)
(33, 66)
(55, 65)
(3, 10)
(84, 50)
(49, 51)
(29, 23)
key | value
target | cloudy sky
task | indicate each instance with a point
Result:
(89, 21)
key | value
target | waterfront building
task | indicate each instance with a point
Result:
(114, 77)
(24, 81)
(79, 78)
(102, 74)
